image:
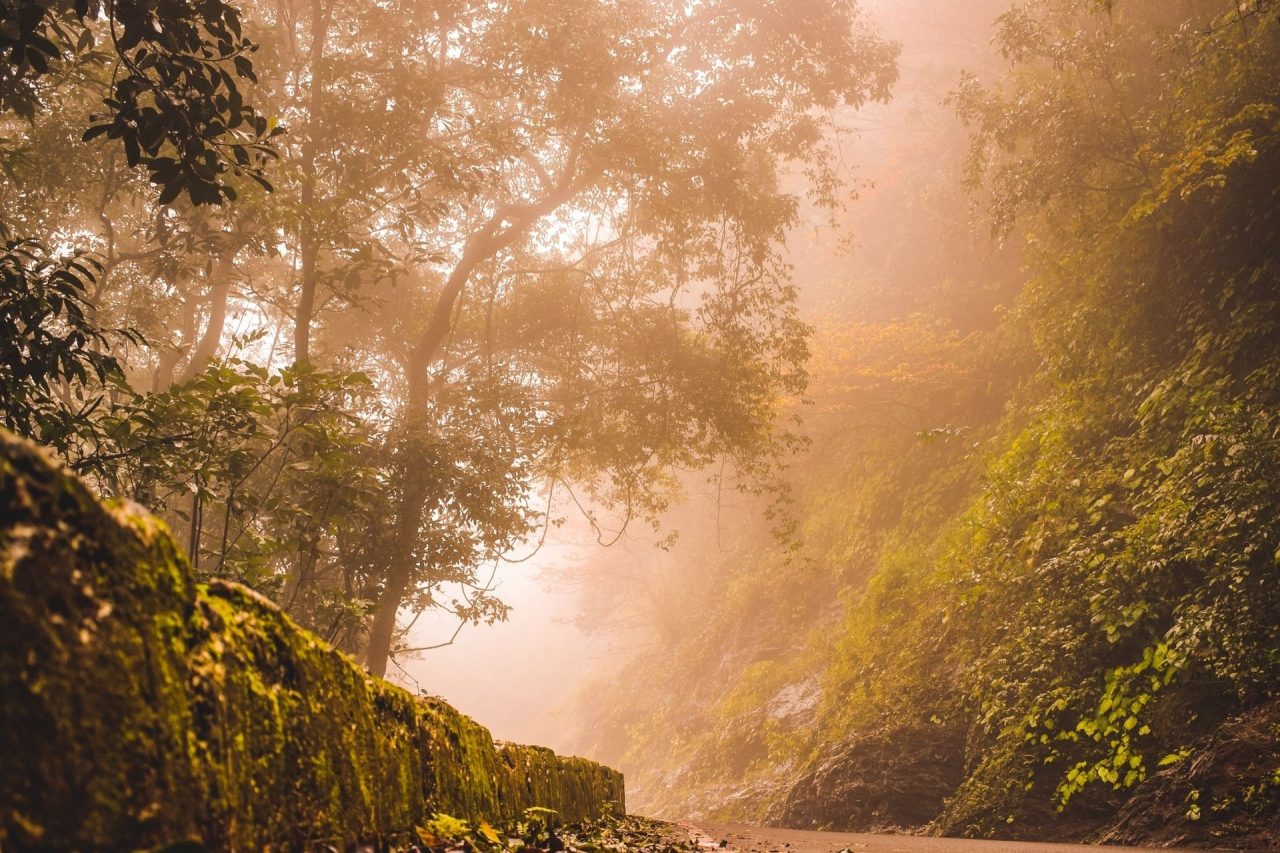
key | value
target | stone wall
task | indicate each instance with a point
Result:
(139, 708)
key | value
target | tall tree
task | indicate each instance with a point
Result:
(625, 162)
(554, 228)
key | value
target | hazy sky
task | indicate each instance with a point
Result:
(515, 677)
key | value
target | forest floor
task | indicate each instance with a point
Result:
(736, 838)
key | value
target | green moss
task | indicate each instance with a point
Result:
(139, 707)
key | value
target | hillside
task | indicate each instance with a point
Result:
(1041, 491)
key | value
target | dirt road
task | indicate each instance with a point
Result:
(751, 839)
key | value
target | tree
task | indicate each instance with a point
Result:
(177, 110)
(555, 231)
(626, 202)
(362, 172)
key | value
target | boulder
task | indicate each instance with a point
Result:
(896, 778)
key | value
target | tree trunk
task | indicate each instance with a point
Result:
(413, 499)
(504, 228)
(171, 357)
(219, 295)
(413, 429)
(310, 280)
(309, 238)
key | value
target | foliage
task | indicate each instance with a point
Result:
(591, 217)
(1085, 592)
(1097, 594)
(56, 367)
(174, 101)
(523, 249)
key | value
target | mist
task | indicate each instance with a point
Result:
(580, 610)
(856, 416)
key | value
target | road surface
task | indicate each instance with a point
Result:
(753, 839)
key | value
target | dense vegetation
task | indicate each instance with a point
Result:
(1053, 530)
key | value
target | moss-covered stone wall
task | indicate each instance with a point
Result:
(138, 707)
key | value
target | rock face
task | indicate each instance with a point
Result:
(1227, 791)
(896, 778)
(139, 708)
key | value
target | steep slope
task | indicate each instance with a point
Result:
(1055, 556)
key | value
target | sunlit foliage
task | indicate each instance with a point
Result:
(1082, 586)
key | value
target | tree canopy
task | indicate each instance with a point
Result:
(519, 255)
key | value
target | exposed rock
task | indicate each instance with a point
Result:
(139, 708)
(1226, 791)
(895, 778)
(796, 705)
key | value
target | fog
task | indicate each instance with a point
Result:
(830, 413)
(879, 258)
(518, 677)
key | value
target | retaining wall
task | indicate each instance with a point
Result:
(139, 708)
